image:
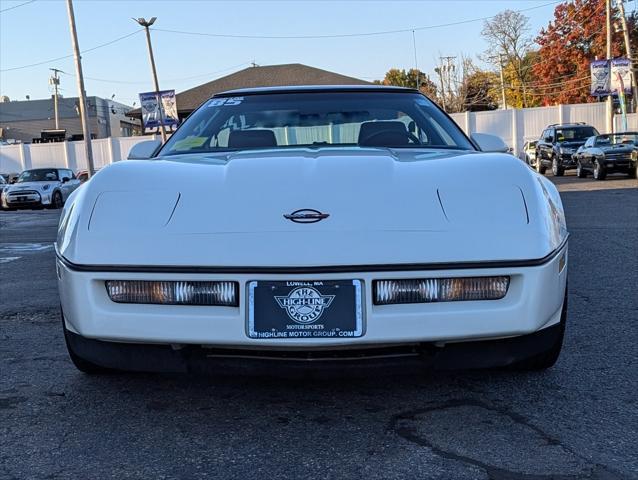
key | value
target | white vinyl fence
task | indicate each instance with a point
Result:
(16, 158)
(516, 126)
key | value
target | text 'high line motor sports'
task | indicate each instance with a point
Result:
(314, 226)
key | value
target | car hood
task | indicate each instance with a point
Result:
(40, 186)
(618, 148)
(384, 207)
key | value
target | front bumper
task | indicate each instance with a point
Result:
(534, 301)
(28, 199)
(409, 358)
(567, 160)
(622, 164)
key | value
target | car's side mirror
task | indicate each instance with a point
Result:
(143, 150)
(65, 179)
(549, 139)
(490, 143)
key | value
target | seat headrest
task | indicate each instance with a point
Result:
(252, 139)
(383, 134)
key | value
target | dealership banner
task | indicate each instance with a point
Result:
(150, 102)
(599, 78)
(620, 76)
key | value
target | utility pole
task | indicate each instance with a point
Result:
(500, 63)
(55, 81)
(146, 24)
(416, 65)
(439, 72)
(610, 101)
(632, 64)
(86, 133)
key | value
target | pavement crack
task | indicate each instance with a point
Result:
(404, 425)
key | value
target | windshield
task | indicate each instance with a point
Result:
(366, 119)
(574, 134)
(39, 175)
(618, 139)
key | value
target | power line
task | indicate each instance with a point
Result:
(141, 82)
(17, 6)
(344, 35)
(70, 56)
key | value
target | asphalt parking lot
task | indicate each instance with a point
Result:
(577, 420)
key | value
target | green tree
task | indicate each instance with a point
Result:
(402, 78)
(480, 91)
(521, 93)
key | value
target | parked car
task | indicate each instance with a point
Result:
(3, 184)
(82, 175)
(310, 225)
(607, 153)
(10, 177)
(40, 187)
(528, 155)
(557, 145)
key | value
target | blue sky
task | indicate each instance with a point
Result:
(38, 31)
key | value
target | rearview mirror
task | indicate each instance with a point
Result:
(143, 150)
(490, 143)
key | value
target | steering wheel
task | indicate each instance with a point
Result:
(409, 135)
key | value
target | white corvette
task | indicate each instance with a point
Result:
(327, 224)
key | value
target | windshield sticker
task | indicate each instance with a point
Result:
(188, 143)
(218, 102)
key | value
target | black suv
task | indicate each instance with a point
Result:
(558, 143)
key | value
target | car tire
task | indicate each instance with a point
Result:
(540, 168)
(633, 172)
(557, 170)
(56, 200)
(80, 363)
(580, 173)
(547, 359)
(599, 171)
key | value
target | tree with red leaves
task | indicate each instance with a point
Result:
(570, 42)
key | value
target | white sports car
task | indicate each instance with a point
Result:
(348, 225)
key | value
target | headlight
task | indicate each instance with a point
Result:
(174, 292)
(426, 290)
(45, 187)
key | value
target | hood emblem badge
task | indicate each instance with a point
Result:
(306, 215)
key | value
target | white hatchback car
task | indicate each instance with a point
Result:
(40, 187)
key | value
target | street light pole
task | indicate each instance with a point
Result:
(632, 61)
(610, 102)
(55, 81)
(146, 24)
(81, 93)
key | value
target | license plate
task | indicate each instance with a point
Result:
(305, 309)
